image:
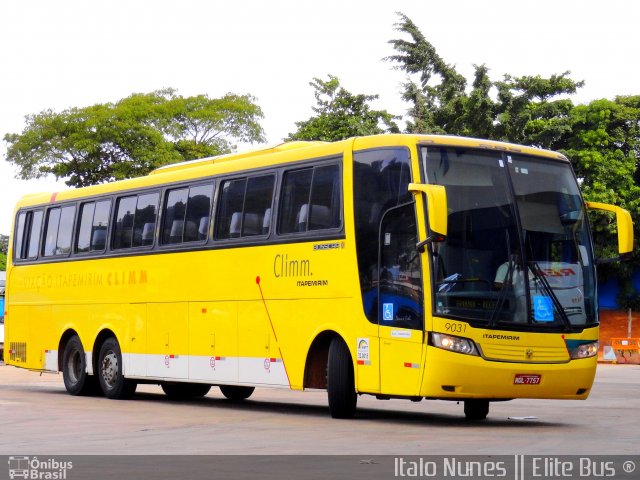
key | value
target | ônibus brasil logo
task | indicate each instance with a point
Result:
(33, 468)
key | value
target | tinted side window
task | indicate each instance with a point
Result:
(92, 231)
(125, 212)
(257, 206)
(19, 235)
(84, 228)
(245, 207)
(324, 205)
(34, 234)
(229, 220)
(295, 193)
(198, 210)
(144, 225)
(51, 231)
(59, 230)
(186, 217)
(100, 225)
(311, 200)
(135, 220)
(176, 207)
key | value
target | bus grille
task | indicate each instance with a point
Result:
(18, 351)
(523, 354)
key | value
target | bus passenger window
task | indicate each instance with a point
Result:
(311, 200)
(100, 225)
(244, 204)
(123, 233)
(84, 228)
(19, 236)
(198, 211)
(58, 231)
(92, 230)
(135, 220)
(144, 224)
(295, 195)
(34, 235)
(229, 216)
(256, 203)
(324, 211)
(28, 227)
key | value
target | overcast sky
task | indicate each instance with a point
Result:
(68, 53)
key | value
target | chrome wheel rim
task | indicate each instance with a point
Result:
(109, 369)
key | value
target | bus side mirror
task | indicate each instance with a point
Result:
(436, 197)
(623, 222)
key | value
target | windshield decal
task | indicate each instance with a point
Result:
(543, 308)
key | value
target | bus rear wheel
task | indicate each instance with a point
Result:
(181, 391)
(113, 383)
(236, 393)
(74, 370)
(340, 381)
(476, 409)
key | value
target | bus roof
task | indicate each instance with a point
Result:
(273, 155)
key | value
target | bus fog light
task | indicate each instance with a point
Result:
(454, 344)
(586, 350)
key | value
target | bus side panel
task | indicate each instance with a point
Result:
(259, 354)
(134, 343)
(213, 342)
(28, 331)
(168, 340)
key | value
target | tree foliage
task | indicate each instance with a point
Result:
(601, 138)
(112, 141)
(526, 109)
(604, 147)
(339, 114)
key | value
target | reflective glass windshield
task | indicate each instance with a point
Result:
(517, 250)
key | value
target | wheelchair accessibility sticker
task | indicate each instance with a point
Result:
(387, 312)
(543, 308)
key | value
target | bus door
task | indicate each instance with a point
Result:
(400, 311)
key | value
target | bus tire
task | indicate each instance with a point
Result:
(340, 381)
(236, 393)
(109, 371)
(476, 409)
(74, 370)
(183, 390)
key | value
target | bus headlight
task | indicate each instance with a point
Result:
(585, 350)
(454, 344)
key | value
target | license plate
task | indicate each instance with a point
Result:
(527, 379)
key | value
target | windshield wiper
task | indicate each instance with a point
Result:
(540, 277)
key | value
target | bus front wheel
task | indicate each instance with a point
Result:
(74, 370)
(340, 381)
(476, 409)
(112, 382)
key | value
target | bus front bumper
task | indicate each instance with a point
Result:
(449, 375)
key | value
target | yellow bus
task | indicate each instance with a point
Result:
(399, 266)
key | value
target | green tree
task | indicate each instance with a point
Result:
(604, 147)
(4, 244)
(3, 262)
(339, 114)
(602, 139)
(131, 137)
(525, 109)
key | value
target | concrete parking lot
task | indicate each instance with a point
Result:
(39, 417)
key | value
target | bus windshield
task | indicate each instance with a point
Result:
(517, 251)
